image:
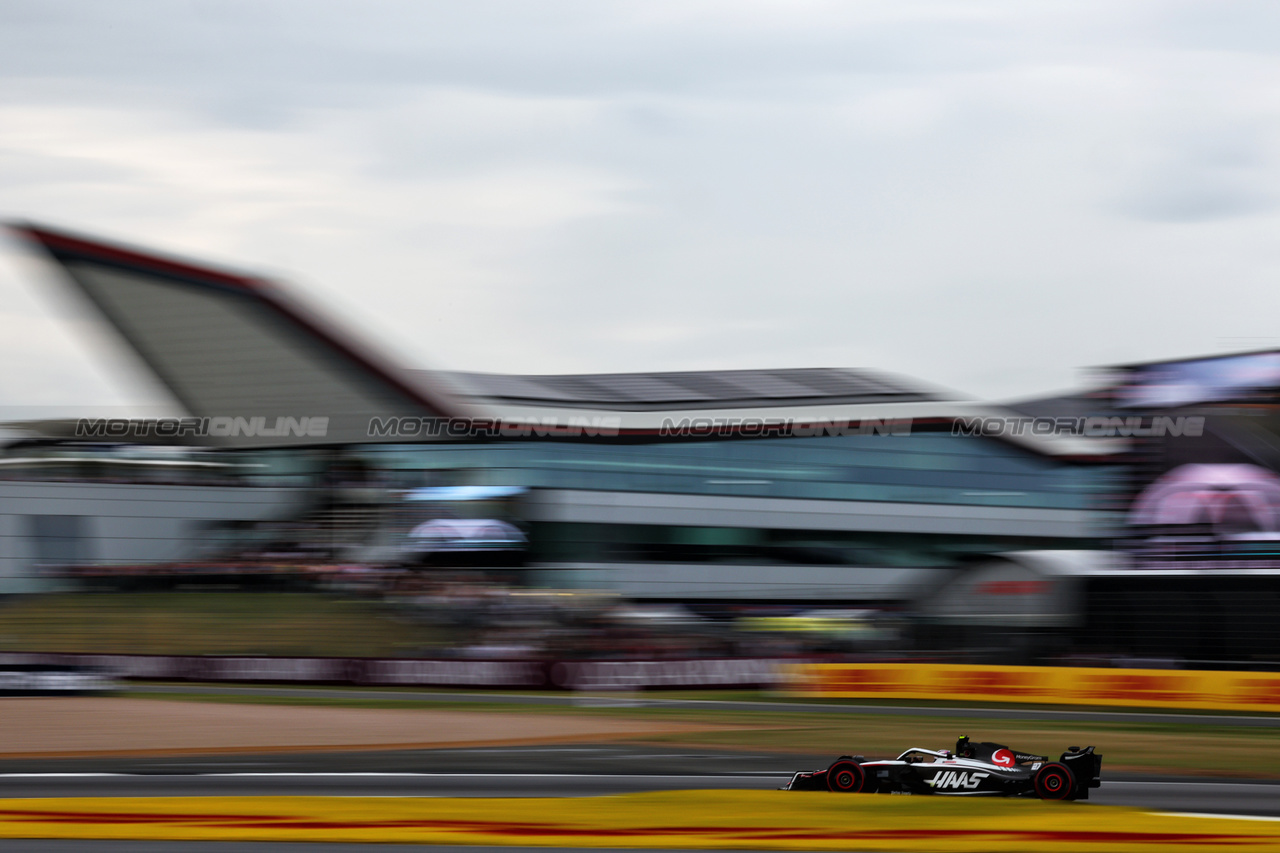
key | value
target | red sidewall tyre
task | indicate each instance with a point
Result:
(846, 777)
(1055, 782)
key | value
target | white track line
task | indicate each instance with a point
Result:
(1110, 783)
(345, 775)
(1218, 816)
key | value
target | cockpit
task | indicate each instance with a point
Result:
(916, 755)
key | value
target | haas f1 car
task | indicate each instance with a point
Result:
(973, 769)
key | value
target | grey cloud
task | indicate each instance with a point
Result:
(896, 185)
(1236, 26)
(1204, 178)
(262, 61)
(1184, 200)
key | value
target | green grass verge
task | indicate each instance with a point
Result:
(1173, 748)
(196, 623)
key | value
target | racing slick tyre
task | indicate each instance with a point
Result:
(1055, 782)
(846, 777)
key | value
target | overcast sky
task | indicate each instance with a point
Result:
(986, 196)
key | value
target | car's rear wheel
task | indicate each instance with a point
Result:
(1055, 781)
(846, 777)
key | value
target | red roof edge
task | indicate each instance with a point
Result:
(61, 246)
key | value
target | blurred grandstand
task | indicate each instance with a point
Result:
(862, 513)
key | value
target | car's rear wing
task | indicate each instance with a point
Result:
(1086, 767)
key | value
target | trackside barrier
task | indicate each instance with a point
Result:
(36, 680)
(1050, 685)
(457, 672)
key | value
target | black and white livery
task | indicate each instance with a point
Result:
(972, 770)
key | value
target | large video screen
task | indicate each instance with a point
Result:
(1206, 380)
(471, 525)
(1212, 502)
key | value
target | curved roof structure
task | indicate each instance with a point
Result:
(231, 345)
(239, 348)
(701, 389)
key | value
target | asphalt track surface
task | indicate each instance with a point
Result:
(539, 771)
(570, 771)
(641, 701)
(61, 846)
(1239, 798)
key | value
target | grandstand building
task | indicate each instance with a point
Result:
(830, 485)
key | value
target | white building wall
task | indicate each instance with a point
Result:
(14, 555)
(124, 523)
(803, 514)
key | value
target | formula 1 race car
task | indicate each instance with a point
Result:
(973, 769)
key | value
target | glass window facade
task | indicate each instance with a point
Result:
(921, 468)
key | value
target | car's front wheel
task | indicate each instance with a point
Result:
(1055, 781)
(846, 777)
